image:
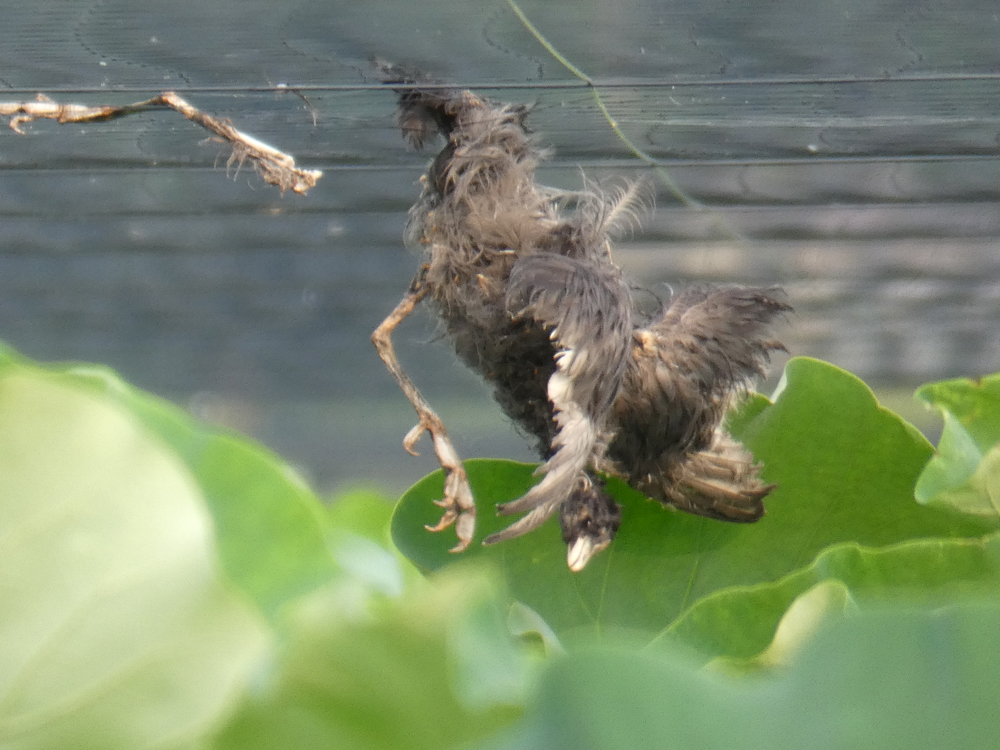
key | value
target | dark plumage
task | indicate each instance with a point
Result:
(532, 301)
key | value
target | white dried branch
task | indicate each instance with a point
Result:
(275, 167)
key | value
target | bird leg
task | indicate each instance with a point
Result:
(275, 167)
(459, 506)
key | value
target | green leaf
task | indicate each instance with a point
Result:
(845, 469)
(747, 411)
(910, 679)
(362, 543)
(964, 473)
(800, 622)
(953, 464)
(271, 531)
(117, 629)
(740, 622)
(974, 403)
(362, 512)
(434, 669)
(978, 493)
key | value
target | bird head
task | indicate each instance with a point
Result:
(589, 518)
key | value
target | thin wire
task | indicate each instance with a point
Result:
(581, 83)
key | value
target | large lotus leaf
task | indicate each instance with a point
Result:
(270, 528)
(432, 669)
(740, 622)
(845, 469)
(906, 679)
(117, 629)
(964, 473)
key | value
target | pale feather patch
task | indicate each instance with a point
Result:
(574, 445)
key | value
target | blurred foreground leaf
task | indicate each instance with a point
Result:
(361, 542)
(965, 471)
(119, 628)
(116, 627)
(435, 669)
(270, 529)
(845, 469)
(908, 679)
(362, 512)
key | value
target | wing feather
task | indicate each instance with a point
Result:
(587, 308)
(685, 371)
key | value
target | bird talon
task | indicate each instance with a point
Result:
(464, 521)
(463, 544)
(460, 508)
(412, 437)
(446, 520)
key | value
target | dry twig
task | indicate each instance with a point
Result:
(275, 167)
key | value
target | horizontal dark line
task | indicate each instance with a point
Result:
(419, 166)
(611, 83)
(809, 160)
(639, 238)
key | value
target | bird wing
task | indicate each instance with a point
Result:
(587, 308)
(717, 338)
(684, 371)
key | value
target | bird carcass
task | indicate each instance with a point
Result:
(523, 280)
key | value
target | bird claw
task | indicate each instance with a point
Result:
(460, 508)
(412, 437)
(458, 503)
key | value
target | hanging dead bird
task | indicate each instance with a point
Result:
(532, 301)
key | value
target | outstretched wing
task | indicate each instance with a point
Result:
(685, 369)
(718, 339)
(587, 309)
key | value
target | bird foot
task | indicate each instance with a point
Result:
(458, 503)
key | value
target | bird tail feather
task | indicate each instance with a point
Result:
(722, 482)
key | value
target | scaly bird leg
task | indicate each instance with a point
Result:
(275, 167)
(460, 508)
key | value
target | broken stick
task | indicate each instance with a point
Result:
(274, 167)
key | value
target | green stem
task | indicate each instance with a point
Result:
(657, 165)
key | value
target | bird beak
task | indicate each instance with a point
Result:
(579, 553)
(582, 550)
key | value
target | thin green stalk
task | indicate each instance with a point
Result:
(657, 165)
